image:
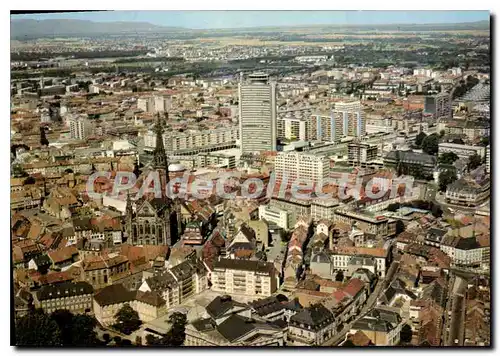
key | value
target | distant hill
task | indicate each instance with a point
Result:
(20, 29)
(27, 28)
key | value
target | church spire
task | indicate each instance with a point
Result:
(160, 157)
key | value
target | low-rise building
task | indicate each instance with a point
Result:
(381, 325)
(75, 297)
(311, 326)
(468, 192)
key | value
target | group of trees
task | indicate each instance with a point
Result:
(175, 336)
(445, 178)
(127, 320)
(448, 158)
(61, 328)
(428, 144)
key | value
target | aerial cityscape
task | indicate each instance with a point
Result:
(250, 178)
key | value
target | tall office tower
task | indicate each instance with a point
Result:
(80, 128)
(350, 115)
(298, 165)
(438, 105)
(257, 100)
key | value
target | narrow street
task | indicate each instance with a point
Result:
(370, 303)
(456, 320)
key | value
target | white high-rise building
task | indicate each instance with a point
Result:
(162, 103)
(350, 115)
(303, 166)
(257, 101)
(79, 128)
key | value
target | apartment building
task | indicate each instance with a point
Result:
(75, 297)
(325, 128)
(382, 326)
(323, 209)
(468, 192)
(311, 326)
(462, 151)
(257, 107)
(352, 118)
(379, 226)
(280, 217)
(162, 103)
(146, 104)
(247, 277)
(101, 271)
(80, 128)
(438, 105)
(346, 119)
(291, 128)
(361, 154)
(178, 283)
(342, 258)
(303, 166)
(295, 207)
(216, 159)
(192, 139)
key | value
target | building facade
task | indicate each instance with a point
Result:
(257, 106)
(306, 167)
(248, 277)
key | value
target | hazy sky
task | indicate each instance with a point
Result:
(234, 19)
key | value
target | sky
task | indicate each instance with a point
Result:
(238, 19)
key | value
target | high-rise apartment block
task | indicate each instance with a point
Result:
(257, 104)
(80, 128)
(303, 166)
(154, 104)
(351, 118)
(438, 105)
(293, 129)
(175, 141)
(345, 120)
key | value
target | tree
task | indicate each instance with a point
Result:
(458, 141)
(448, 158)
(474, 162)
(43, 137)
(430, 144)
(441, 133)
(175, 336)
(127, 320)
(485, 141)
(63, 318)
(406, 333)
(446, 177)
(420, 138)
(340, 276)
(76, 330)
(106, 337)
(37, 329)
(82, 331)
